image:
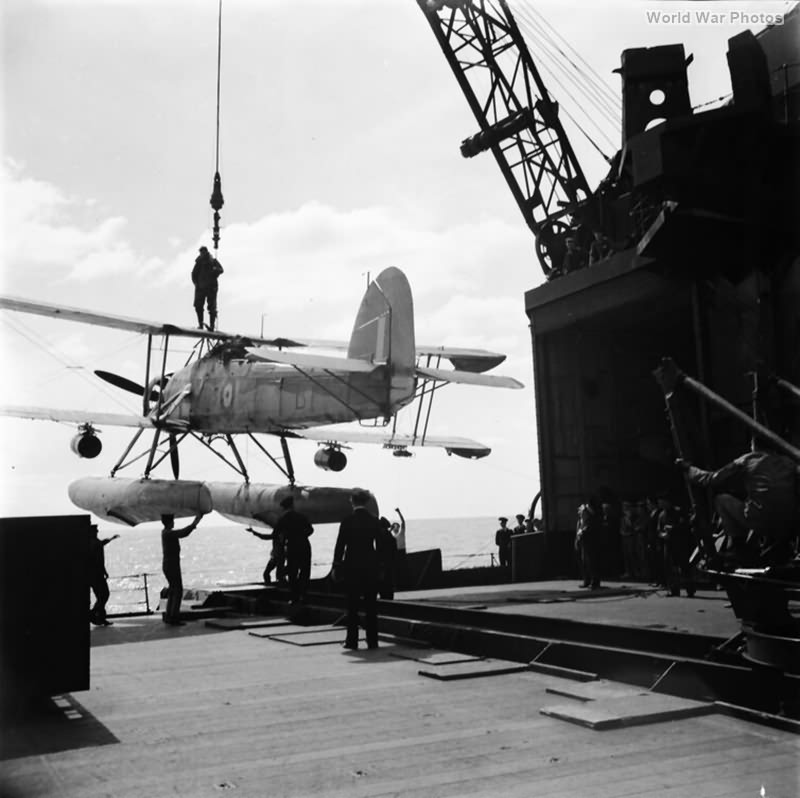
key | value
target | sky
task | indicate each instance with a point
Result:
(340, 125)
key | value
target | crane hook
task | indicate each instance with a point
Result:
(217, 201)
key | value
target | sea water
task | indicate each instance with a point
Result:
(215, 556)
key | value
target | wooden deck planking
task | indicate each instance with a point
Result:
(194, 712)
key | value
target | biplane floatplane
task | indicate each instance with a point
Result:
(246, 385)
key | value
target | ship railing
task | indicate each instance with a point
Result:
(130, 595)
(480, 559)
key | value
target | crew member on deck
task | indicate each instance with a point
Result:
(277, 556)
(296, 530)
(98, 577)
(387, 560)
(398, 530)
(502, 539)
(768, 483)
(355, 560)
(574, 257)
(600, 248)
(171, 565)
(588, 541)
(204, 276)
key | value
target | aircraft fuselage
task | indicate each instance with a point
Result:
(234, 395)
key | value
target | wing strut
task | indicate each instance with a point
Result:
(120, 462)
(344, 382)
(288, 469)
(426, 391)
(238, 457)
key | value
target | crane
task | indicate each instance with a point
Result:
(519, 121)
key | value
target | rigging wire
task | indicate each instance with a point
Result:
(608, 106)
(606, 158)
(32, 337)
(600, 131)
(593, 75)
(553, 64)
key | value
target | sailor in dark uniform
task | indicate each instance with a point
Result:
(295, 529)
(387, 560)
(355, 557)
(98, 577)
(502, 539)
(171, 565)
(204, 276)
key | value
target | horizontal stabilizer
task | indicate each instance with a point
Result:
(302, 360)
(476, 360)
(469, 378)
(76, 416)
(392, 440)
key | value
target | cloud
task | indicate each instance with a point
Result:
(307, 268)
(46, 229)
(304, 270)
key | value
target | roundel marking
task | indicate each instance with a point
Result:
(227, 394)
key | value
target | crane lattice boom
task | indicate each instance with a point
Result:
(518, 119)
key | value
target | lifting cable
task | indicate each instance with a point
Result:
(552, 65)
(217, 200)
(554, 78)
(589, 83)
(553, 62)
(593, 76)
(580, 79)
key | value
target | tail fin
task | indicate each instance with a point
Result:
(384, 329)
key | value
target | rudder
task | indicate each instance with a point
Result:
(384, 327)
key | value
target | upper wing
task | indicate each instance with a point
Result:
(463, 359)
(394, 440)
(125, 323)
(76, 416)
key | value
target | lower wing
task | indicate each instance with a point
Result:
(76, 416)
(463, 447)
